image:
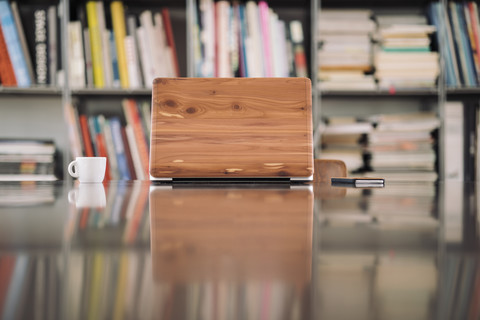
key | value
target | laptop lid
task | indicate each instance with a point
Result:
(231, 128)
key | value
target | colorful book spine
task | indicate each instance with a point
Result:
(133, 118)
(265, 27)
(170, 40)
(119, 30)
(7, 75)
(115, 66)
(14, 48)
(116, 128)
(298, 48)
(87, 141)
(23, 40)
(95, 44)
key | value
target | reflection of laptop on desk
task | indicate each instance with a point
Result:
(232, 128)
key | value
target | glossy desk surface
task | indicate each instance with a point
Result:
(135, 250)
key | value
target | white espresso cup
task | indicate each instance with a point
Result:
(88, 195)
(88, 169)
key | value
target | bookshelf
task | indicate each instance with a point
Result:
(50, 101)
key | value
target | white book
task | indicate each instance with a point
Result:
(275, 44)
(222, 40)
(146, 59)
(453, 146)
(282, 49)
(154, 48)
(133, 67)
(132, 32)
(76, 61)
(207, 36)
(255, 42)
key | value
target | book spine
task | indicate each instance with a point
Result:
(133, 118)
(7, 75)
(298, 48)
(106, 132)
(133, 57)
(115, 127)
(137, 162)
(101, 145)
(132, 62)
(119, 30)
(76, 60)
(265, 31)
(171, 40)
(95, 44)
(52, 45)
(115, 66)
(86, 136)
(107, 59)
(41, 47)
(128, 154)
(88, 59)
(21, 36)
(147, 63)
(473, 10)
(13, 45)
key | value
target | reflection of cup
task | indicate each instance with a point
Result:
(90, 195)
(88, 169)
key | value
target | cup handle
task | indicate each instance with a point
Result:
(70, 169)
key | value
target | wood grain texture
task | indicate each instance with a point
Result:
(231, 127)
(208, 234)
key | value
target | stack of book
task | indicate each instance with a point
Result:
(27, 160)
(345, 138)
(21, 194)
(345, 56)
(246, 40)
(123, 139)
(29, 50)
(404, 58)
(403, 144)
(120, 53)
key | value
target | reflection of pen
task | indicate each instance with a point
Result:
(359, 182)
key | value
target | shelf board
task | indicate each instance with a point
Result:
(31, 91)
(113, 92)
(462, 93)
(418, 93)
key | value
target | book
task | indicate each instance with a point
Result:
(454, 141)
(7, 74)
(12, 40)
(76, 60)
(96, 44)
(116, 131)
(170, 40)
(52, 45)
(119, 29)
(22, 39)
(133, 119)
(87, 141)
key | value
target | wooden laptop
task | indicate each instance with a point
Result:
(231, 128)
